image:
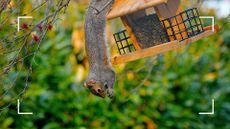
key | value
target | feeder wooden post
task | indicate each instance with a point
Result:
(170, 9)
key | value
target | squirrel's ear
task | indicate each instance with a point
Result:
(89, 83)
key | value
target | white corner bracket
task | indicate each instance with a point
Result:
(22, 17)
(213, 21)
(22, 113)
(209, 113)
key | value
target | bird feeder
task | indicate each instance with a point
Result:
(154, 27)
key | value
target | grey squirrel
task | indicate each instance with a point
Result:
(101, 77)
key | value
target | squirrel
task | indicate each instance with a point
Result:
(101, 77)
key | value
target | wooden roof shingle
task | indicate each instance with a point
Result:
(124, 7)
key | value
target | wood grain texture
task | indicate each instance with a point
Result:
(171, 8)
(131, 34)
(124, 7)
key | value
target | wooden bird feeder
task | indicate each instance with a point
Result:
(154, 27)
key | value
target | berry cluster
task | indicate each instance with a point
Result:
(39, 27)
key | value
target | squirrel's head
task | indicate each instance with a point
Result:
(104, 87)
(100, 89)
(96, 88)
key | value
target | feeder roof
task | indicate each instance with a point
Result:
(124, 7)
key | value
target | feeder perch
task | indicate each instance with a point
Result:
(154, 27)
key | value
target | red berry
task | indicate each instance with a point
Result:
(24, 26)
(49, 26)
(39, 27)
(35, 37)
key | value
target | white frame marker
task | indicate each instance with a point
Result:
(209, 113)
(22, 113)
(22, 17)
(213, 21)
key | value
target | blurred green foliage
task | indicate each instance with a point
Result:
(181, 84)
